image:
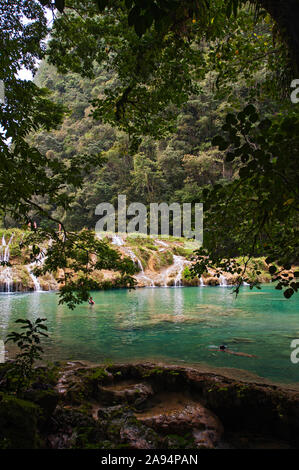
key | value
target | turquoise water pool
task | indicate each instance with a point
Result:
(176, 325)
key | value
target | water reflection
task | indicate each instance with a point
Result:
(175, 324)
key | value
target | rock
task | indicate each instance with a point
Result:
(76, 383)
(123, 429)
(131, 394)
(72, 428)
(111, 412)
(148, 406)
(187, 418)
(47, 400)
(18, 423)
(241, 406)
(138, 438)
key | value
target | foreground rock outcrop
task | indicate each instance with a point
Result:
(145, 406)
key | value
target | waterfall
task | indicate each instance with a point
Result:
(6, 271)
(6, 279)
(36, 283)
(170, 269)
(152, 284)
(5, 253)
(176, 267)
(223, 281)
(179, 263)
(160, 242)
(30, 267)
(202, 284)
(135, 259)
(116, 240)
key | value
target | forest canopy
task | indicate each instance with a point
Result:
(161, 100)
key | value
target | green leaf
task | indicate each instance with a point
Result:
(249, 109)
(242, 116)
(254, 118)
(231, 119)
(265, 124)
(272, 269)
(219, 141)
(288, 293)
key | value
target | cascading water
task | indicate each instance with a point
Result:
(175, 271)
(160, 242)
(30, 267)
(6, 279)
(116, 240)
(177, 267)
(202, 284)
(223, 281)
(179, 263)
(135, 259)
(5, 253)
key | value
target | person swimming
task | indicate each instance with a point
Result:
(224, 348)
(91, 301)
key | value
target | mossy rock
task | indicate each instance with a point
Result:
(181, 251)
(130, 394)
(46, 375)
(162, 259)
(174, 441)
(125, 431)
(47, 400)
(88, 438)
(18, 423)
(97, 376)
(74, 429)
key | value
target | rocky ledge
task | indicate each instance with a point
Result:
(145, 406)
(159, 263)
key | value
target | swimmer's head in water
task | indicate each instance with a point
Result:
(222, 347)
